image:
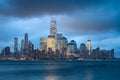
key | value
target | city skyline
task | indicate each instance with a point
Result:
(77, 22)
(55, 47)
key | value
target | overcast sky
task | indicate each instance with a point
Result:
(97, 20)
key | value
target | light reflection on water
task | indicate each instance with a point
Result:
(58, 72)
(51, 77)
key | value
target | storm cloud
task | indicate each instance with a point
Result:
(23, 8)
(95, 15)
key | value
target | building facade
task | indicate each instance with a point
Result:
(83, 51)
(89, 47)
(71, 48)
(22, 46)
(31, 47)
(53, 27)
(51, 43)
(15, 45)
(43, 44)
(26, 41)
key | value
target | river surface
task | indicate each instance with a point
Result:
(59, 70)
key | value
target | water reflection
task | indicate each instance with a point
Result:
(51, 77)
(58, 72)
(88, 75)
(51, 72)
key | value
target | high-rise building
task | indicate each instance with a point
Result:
(64, 45)
(95, 54)
(112, 53)
(61, 43)
(31, 47)
(15, 45)
(26, 41)
(51, 40)
(69, 49)
(51, 43)
(7, 50)
(65, 42)
(72, 48)
(3, 52)
(103, 54)
(89, 46)
(22, 46)
(55, 41)
(43, 44)
(53, 27)
(83, 51)
(59, 35)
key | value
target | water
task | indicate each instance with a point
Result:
(59, 70)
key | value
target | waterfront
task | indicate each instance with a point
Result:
(59, 70)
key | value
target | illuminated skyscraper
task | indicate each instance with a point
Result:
(61, 43)
(53, 27)
(51, 43)
(26, 41)
(51, 40)
(89, 47)
(43, 44)
(15, 45)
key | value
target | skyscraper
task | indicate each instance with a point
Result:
(43, 44)
(22, 46)
(112, 53)
(53, 27)
(89, 46)
(51, 43)
(7, 50)
(64, 45)
(61, 43)
(31, 47)
(15, 45)
(83, 51)
(51, 40)
(95, 54)
(26, 41)
(71, 48)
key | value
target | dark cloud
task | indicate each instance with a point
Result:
(103, 8)
(23, 8)
(97, 26)
(80, 24)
